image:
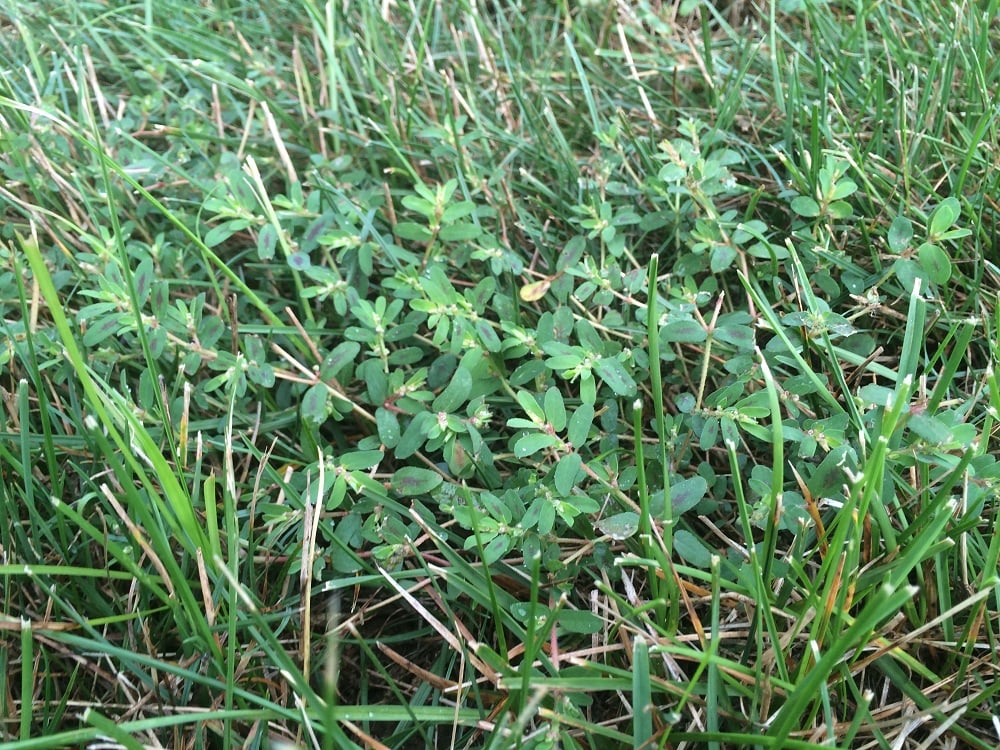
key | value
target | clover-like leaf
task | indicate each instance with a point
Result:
(935, 262)
(805, 206)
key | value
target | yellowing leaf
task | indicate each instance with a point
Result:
(535, 290)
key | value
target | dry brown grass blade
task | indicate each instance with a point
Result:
(441, 630)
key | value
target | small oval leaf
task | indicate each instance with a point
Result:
(619, 526)
(683, 332)
(935, 263)
(412, 480)
(900, 234)
(456, 393)
(532, 443)
(566, 473)
(535, 290)
(687, 493)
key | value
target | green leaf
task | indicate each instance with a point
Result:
(143, 277)
(722, 257)
(555, 409)
(741, 337)
(908, 271)
(619, 526)
(408, 230)
(361, 460)
(805, 206)
(456, 393)
(531, 443)
(496, 548)
(613, 372)
(830, 477)
(946, 213)
(566, 473)
(876, 395)
(580, 424)
(104, 329)
(419, 205)
(388, 427)
(843, 189)
(579, 621)
(540, 515)
(414, 435)
(262, 375)
(563, 362)
(412, 480)
(461, 232)
(683, 332)
(488, 335)
(710, 434)
(571, 252)
(730, 432)
(299, 261)
(457, 211)
(527, 372)
(314, 404)
(531, 407)
(222, 232)
(687, 493)
(343, 354)
(930, 428)
(840, 210)
(900, 234)
(692, 549)
(935, 262)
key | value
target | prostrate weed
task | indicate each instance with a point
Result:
(499, 375)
